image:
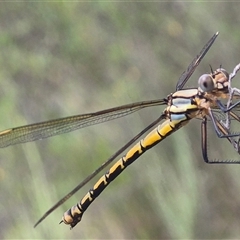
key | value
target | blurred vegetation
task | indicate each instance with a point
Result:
(61, 58)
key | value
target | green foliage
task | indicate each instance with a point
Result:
(64, 58)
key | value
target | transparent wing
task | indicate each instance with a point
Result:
(51, 128)
(192, 66)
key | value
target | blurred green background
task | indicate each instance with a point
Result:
(66, 58)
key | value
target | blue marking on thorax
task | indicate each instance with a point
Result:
(181, 116)
(179, 102)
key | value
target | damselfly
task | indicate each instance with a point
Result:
(204, 102)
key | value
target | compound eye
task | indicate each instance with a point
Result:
(205, 82)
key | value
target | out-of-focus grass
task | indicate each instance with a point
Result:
(60, 59)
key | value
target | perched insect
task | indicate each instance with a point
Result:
(204, 102)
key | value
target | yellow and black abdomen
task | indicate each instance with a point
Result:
(176, 114)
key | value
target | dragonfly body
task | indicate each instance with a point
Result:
(183, 105)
